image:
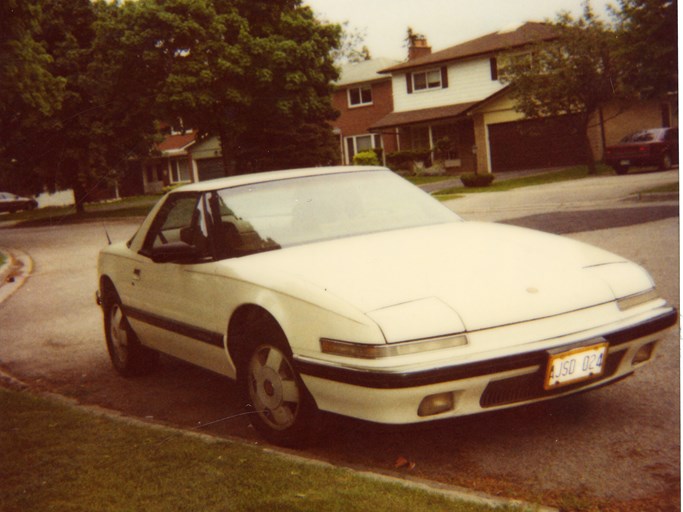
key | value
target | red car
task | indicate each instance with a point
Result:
(653, 147)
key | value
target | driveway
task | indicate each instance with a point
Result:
(617, 446)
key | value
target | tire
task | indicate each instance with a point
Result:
(665, 163)
(127, 355)
(621, 169)
(282, 409)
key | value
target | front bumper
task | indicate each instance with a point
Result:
(395, 396)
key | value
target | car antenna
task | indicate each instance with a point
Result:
(106, 233)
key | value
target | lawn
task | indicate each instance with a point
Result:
(136, 206)
(61, 458)
(571, 173)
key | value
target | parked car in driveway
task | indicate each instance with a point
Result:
(351, 291)
(653, 147)
(13, 203)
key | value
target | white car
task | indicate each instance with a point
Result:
(351, 291)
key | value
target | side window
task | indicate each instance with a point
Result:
(181, 220)
(360, 96)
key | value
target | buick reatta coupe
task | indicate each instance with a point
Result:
(349, 290)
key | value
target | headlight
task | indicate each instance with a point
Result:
(630, 283)
(364, 351)
(637, 299)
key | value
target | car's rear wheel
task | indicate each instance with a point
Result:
(621, 169)
(127, 355)
(283, 410)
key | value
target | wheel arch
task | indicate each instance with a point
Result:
(106, 287)
(245, 323)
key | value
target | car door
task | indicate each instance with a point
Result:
(173, 306)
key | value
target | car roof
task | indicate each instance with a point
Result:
(261, 177)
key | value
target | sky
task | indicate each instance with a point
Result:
(445, 23)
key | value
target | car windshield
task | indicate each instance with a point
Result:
(644, 136)
(303, 210)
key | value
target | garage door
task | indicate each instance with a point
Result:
(210, 168)
(535, 144)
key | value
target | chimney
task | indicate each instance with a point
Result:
(418, 47)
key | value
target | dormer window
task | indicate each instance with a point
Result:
(427, 80)
(359, 96)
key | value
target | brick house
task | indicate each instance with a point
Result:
(362, 97)
(455, 96)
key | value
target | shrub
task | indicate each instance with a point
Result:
(472, 179)
(404, 159)
(368, 157)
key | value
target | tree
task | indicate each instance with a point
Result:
(230, 68)
(29, 93)
(351, 48)
(648, 45)
(571, 75)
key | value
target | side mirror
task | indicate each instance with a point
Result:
(179, 252)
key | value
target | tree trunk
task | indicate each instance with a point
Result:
(228, 146)
(588, 157)
(80, 195)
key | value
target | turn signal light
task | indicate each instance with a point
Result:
(436, 404)
(644, 353)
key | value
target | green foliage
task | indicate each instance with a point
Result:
(647, 51)
(82, 84)
(68, 459)
(368, 157)
(477, 180)
(573, 74)
(403, 160)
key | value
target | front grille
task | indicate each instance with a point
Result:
(530, 386)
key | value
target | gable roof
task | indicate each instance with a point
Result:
(529, 32)
(364, 71)
(176, 143)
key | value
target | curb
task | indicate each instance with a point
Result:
(8, 381)
(656, 196)
(14, 272)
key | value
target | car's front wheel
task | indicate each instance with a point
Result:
(283, 410)
(127, 354)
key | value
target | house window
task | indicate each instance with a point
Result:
(360, 96)
(180, 170)
(427, 80)
(358, 143)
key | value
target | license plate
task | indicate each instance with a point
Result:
(625, 162)
(575, 365)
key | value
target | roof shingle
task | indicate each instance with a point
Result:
(529, 32)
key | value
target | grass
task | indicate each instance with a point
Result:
(137, 206)
(571, 173)
(61, 458)
(670, 187)
(422, 180)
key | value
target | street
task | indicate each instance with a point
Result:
(617, 446)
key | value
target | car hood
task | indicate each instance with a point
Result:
(447, 278)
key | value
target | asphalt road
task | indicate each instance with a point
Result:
(618, 446)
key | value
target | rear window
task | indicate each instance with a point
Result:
(644, 136)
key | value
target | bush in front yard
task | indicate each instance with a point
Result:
(366, 158)
(472, 179)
